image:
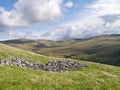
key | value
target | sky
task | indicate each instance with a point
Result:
(58, 19)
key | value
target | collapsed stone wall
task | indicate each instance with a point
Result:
(54, 66)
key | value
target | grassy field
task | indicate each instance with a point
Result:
(95, 77)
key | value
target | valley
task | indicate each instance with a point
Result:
(101, 49)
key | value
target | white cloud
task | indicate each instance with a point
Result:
(108, 11)
(105, 7)
(29, 12)
(69, 4)
(101, 17)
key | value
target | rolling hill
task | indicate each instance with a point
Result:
(103, 49)
(95, 77)
(7, 52)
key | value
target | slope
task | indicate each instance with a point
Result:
(7, 52)
(103, 49)
(95, 77)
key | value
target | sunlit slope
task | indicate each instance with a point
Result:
(96, 77)
(7, 52)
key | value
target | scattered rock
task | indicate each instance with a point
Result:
(53, 66)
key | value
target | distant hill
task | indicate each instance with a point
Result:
(103, 49)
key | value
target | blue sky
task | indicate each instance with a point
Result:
(58, 19)
(7, 4)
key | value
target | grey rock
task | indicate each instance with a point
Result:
(53, 66)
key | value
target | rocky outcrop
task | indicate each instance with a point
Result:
(54, 66)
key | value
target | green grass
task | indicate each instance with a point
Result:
(96, 77)
(7, 52)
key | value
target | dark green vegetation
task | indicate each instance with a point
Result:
(95, 77)
(103, 49)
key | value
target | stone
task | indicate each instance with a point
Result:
(53, 66)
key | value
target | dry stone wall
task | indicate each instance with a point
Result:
(53, 66)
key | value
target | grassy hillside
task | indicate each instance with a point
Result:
(95, 77)
(7, 52)
(103, 49)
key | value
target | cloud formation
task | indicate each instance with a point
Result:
(100, 18)
(30, 12)
(69, 4)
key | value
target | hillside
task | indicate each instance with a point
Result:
(95, 77)
(7, 52)
(103, 49)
